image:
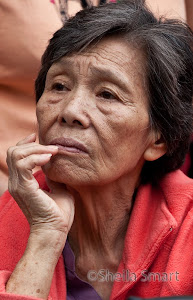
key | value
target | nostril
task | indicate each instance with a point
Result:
(71, 122)
(77, 122)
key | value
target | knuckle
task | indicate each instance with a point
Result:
(9, 151)
(17, 190)
(16, 153)
(19, 164)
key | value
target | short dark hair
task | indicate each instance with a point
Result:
(167, 44)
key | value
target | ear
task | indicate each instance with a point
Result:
(156, 149)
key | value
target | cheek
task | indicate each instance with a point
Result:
(119, 125)
(46, 116)
(125, 132)
(40, 111)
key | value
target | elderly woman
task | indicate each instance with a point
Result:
(109, 216)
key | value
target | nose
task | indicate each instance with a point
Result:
(74, 112)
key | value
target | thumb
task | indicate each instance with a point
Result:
(55, 187)
(62, 197)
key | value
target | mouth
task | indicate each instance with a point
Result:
(69, 145)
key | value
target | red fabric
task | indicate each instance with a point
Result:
(159, 239)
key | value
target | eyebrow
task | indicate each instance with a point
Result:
(100, 72)
(112, 76)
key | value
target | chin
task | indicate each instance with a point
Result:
(67, 174)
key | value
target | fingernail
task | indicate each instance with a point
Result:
(46, 155)
(52, 147)
(31, 135)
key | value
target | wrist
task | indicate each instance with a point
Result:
(49, 242)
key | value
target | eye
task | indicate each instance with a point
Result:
(59, 87)
(107, 95)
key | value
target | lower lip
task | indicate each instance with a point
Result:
(70, 149)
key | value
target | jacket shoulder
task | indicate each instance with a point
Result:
(177, 185)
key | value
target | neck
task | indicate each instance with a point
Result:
(101, 218)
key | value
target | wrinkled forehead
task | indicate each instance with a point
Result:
(110, 55)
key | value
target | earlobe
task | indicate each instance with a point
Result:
(156, 149)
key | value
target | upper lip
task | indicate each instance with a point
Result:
(68, 142)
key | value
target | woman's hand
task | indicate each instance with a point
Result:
(44, 211)
(50, 216)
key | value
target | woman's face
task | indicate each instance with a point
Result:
(97, 99)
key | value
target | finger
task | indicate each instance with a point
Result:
(30, 162)
(55, 187)
(26, 165)
(59, 192)
(28, 139)
(28, 145)
(21, 177)
(19, 152)
(63, 198)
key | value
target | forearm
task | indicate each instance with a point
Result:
(33, 273)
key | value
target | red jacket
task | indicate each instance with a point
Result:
(159, 239)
